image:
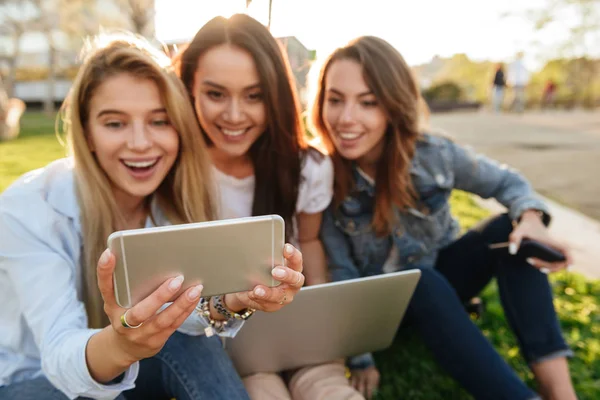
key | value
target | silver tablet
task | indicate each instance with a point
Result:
(225, 256)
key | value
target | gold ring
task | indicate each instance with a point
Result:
(126, 324)
(284, 298)
(299, 279)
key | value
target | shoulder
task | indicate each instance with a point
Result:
(432, 143)
(41, 197)
(316, 165)
(316, 182)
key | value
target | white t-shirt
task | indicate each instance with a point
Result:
(235, 196)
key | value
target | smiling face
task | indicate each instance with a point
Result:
(229, 100)
(354, 119)
(131, 136)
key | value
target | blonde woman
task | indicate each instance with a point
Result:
(138, 160)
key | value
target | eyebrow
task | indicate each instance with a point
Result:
(221, 87)
(367, 93)
(118, 112)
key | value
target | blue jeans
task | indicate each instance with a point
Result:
(462, 270)
(188, 367)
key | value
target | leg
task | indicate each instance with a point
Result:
(463, 269)
(458, 345)
(35, 389)
(526, 297)
(189, 367)
(322, 382)
(266, 386)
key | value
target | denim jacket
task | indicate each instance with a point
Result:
(438, 166)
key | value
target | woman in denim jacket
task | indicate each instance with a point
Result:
(390, 212)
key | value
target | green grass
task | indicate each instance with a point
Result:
(408, 371)
(35, 147)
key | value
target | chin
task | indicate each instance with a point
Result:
(351, 155)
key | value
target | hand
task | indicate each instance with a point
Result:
(365, 381)
(272, 299)
(532, 227)
(147, 340)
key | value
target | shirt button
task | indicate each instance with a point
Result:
(399, 232)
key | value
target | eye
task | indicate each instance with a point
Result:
(114, 124)
(161, 122)
(258, 96)
(333, 100)
(369, 103)
(215, 95)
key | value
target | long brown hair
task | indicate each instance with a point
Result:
(390, 79)
(185, 193)
(278, 152)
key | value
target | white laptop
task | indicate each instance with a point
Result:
(325, 323)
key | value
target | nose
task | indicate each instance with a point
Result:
(140, 139)
(234, 113)
(347, 115)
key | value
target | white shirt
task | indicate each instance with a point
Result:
(518, 74)
(236, 196)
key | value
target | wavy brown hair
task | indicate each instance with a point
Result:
(278, 152)
(185, 193)
(390, 79)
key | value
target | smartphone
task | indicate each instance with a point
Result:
(533, 249)
(225, 256)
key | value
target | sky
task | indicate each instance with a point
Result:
(419, 29)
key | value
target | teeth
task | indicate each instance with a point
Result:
(233, 133)
(140, 164)
(349, 135)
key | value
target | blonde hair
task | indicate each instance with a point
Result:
(185, 193)
(392, 82)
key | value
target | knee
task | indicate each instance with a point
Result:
(495, 229)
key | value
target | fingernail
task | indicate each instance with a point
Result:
(105, 257)
(195, 292)
(544, 271)
(260, 292)
(512, 248)
(279, 273)
(175, 283)
(530, 261)
(289, 249)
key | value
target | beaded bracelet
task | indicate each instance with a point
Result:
(214, 326)
(219, 304)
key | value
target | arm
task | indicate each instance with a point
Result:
(309, 226)
(478, 174)
(33, 257)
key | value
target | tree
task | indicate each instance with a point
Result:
(581, 19)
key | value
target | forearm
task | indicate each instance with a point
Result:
(105, 360)
(315, 262)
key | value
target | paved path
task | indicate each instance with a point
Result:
(559, 153)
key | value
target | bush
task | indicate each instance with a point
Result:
(446, 91)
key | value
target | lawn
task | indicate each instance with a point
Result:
(408, 371)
